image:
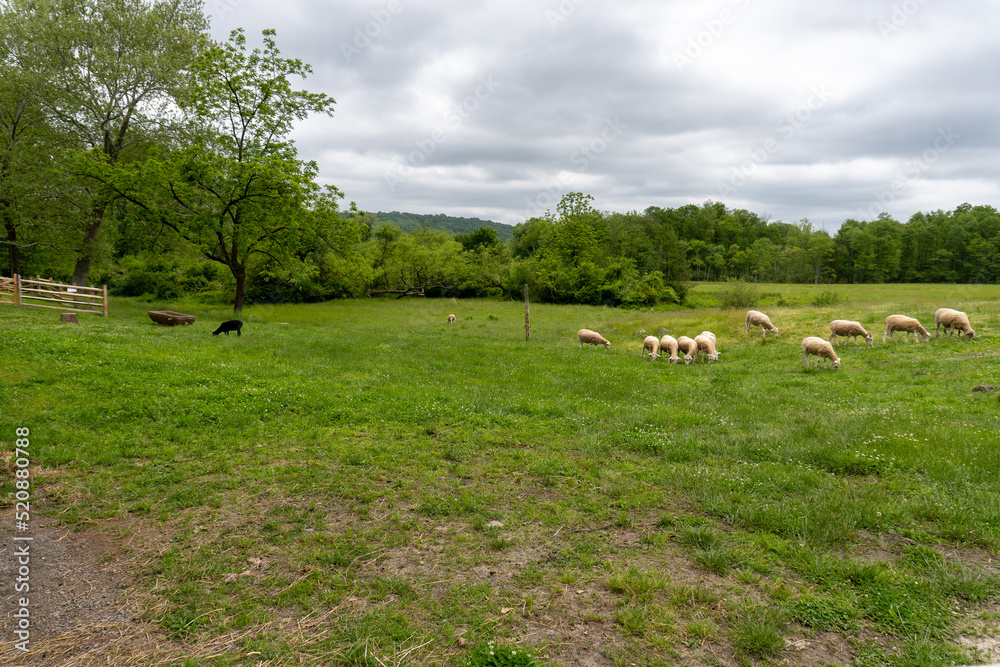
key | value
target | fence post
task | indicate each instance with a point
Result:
(17, 290)
(105, 301)
(527, 315)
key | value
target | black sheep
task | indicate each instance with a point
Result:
(231, 325)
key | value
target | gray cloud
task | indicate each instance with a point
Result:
(792, 110)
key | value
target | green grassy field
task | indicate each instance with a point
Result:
(359, 483)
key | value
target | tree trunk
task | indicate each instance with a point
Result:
(240, 273)
(82, 269)
(13, 252)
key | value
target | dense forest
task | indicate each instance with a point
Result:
(410, 222)
(139, 153)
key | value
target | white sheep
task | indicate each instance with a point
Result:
(451, 319)
(848, 329)
(910, 325)
(651, 343)
(706, 346)
(953, 319)
(688, 347)
(823, 349)
(755, 318)
(592, 338)
(669, 343)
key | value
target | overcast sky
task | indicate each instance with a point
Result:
(826, 110)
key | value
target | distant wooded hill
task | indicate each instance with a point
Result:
(407, 222)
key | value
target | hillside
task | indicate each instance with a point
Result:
(408, 222)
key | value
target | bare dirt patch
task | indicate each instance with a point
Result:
(86, 608)
(83, 609)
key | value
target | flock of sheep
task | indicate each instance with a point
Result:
(701, 346)
(704, 344)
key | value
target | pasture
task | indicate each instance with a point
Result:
(360, 483)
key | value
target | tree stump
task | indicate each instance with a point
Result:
(69, 317)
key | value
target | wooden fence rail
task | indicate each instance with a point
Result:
(40, 293)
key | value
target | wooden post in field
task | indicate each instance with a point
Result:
(105, 301)
(17, 290)
(527, 315)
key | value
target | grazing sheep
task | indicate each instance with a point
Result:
(755, 318)
(953, 319)
(669, 343)
(705, 342)
(451, 319)
(910, 325)
(592, 338)
(688, 347)
(230, 325)
(651, 343)
(823, 349)
(848, 329)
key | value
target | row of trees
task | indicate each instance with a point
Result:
(580, 255)
(955, 246)
(137, 150)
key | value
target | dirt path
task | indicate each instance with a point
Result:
(80, 605)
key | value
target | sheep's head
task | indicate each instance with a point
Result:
(688, 358)
(674, 359)
(774, 330)
(970, 334)
(868, 338)
(925, 336)
(607, 345)
(836, 364)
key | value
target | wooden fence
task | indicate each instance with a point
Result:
(40, 293)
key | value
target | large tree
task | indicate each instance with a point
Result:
(411, 264)
(238, 192)
(34, 211)
(107, 71)
(21, 123)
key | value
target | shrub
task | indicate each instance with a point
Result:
(649, 291)
(738, 294)
(827, 298)
(164, 278)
